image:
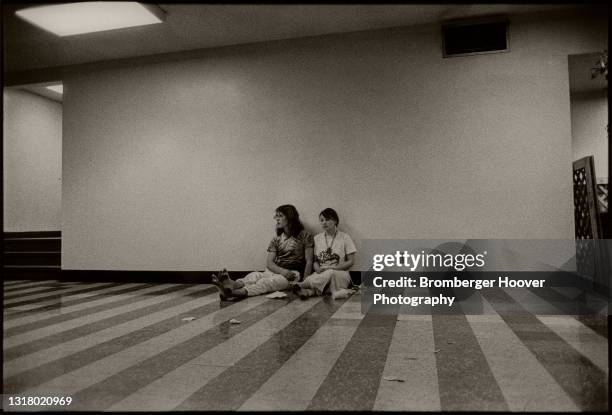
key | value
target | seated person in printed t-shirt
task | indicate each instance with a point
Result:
(289, 257)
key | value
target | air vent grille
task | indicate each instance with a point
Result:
(461, 39)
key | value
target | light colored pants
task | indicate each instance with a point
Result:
(331, 280)
(257, 282)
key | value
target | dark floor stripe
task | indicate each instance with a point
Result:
(54, 284)
(61, 304)
(352, 383)
(60, 295)
(74, 314)
(22, 292)
(64, 336)
(596, 322)
(119, 386)
(237, 383)
(465, 380)
(39, 290)
(51, 370)
(582, 380)
(12, 283)
(15, 288)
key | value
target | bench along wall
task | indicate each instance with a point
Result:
(178, 165)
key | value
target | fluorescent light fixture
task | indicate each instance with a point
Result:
(56, 88)
(86, 17)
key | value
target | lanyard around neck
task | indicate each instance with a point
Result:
(329, 246)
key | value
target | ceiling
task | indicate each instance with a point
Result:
(41, 89)
(198, 26)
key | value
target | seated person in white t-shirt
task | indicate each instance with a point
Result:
(334, 253)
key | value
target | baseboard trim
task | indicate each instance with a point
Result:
(34, 234)
(181, 277)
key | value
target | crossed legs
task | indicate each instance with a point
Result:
(330, 280)
(227, 287)
(255, 283)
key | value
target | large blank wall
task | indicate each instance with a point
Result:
(179, 165)
(32, 133)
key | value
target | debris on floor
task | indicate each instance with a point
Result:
(234, 321)
(393, 379)
(450, 342)
(277, 294)
(437, 350)
(189, 319)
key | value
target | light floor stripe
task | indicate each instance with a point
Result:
(26, 305)
(12, 282)
(247, 375)
(351, 309)
(93, 327)
(525, 384)
(411, 358)
(408, 313)
(126, 382)
(29, 283)
(37, 297)
(63, 349)
(89, 306)
(83, 302)
(352, 383)
(586, 341)
(284, 391)
(441, 349)
(37, 290)
(580, 378)
(465, 380)
(73, 382)
(549, 302)
(92, 318)
(176, 386)
(587, 299)
(36, 361)
(595, 318)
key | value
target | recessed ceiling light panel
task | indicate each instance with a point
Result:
(86, 17)
(56, 88)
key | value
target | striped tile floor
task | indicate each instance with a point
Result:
(126, 347)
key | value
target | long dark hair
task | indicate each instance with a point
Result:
(293, 220)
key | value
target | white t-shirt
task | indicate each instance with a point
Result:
(329, 253)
